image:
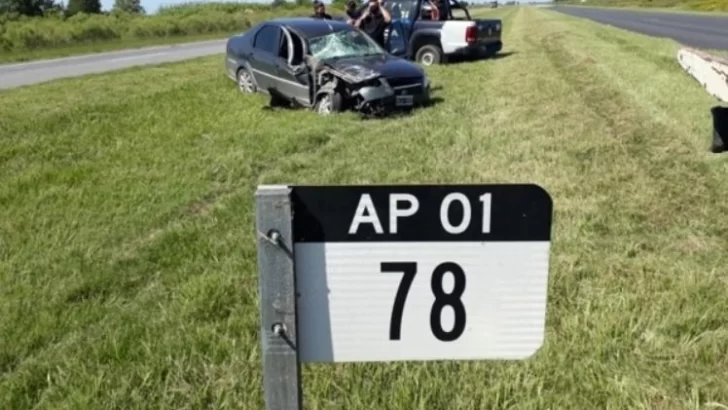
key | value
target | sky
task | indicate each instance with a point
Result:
(151, 6)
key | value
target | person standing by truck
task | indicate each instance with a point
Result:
(437, 10)
(375, 20)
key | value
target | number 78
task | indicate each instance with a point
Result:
(442, 299)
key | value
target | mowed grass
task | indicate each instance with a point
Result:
(127, 248)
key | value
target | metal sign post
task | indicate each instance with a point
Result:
(277, 282)
(399, 273)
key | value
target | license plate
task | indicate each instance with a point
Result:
(404, 100)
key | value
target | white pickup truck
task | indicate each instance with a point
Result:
(415, 35)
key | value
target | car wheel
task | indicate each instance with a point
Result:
(246, 84)
(429, 55)
(329, 103)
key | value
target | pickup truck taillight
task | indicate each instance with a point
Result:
(471, 34)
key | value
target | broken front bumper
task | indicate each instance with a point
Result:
(382, 98)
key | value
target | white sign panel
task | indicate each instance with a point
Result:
(393, 273)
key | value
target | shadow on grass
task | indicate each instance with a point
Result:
(434, 100)
(274, 105)
(471, 59)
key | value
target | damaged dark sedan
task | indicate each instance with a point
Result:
(325, 65)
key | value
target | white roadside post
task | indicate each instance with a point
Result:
(712, 73)
(399, 273)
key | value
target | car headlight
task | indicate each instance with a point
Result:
(497, 27)
(384, 83)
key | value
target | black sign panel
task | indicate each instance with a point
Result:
(421, 213)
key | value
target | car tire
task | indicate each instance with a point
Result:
(429, 54)
(246, 83)
(329, 103)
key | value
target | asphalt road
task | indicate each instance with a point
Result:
(696, 30)
(16, 75)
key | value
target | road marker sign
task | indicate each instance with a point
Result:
(399, 273)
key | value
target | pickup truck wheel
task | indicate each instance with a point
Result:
(428, 55)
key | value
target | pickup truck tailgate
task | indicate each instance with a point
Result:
(489, 31)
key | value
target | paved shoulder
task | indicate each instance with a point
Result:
(15, 75)
(696, 30)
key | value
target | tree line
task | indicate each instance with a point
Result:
(12, 9)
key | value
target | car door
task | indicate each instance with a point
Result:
(400, 30)
(265, 53)
(404, 10)
(292, 73)
(397, 38)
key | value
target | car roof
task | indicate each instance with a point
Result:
(311, 27)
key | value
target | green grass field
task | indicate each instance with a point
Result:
(127, 247)
(51, 36)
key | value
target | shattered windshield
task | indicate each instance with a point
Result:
(343, 44)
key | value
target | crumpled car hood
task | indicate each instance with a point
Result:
(355, 73)
(360, 69)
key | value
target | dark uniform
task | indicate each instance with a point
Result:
(374, 25)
